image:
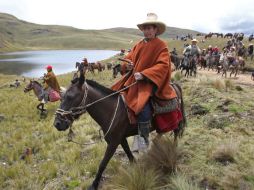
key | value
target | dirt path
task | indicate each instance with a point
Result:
(243, 79)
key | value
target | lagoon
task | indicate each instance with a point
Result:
(33, 63)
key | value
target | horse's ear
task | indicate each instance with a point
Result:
(81, 79)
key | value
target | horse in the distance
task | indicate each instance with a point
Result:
(250, 38)
(97, 65)
(110, 113)
(109, 66)
(85, 66)
(229, 65)
(228, 35)
(189, 64)
(38, 90)
(209, 35)
(176, 59)
(202, 62)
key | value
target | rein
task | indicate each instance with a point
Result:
(82, 109)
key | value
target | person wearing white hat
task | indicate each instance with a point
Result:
(152, 70)
(193, 49)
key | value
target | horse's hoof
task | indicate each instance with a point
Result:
(43, 114)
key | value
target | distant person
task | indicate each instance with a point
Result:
(231, 55)
(215, 50)
(193, 49)
(17, 83)
(50, 83)
(122, 52)
(203, 53)
(83, 66)
(209, 50)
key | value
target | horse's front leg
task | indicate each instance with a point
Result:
(40, 106)
(127, 150)
(231, 73)
(236, 72)
(111, 149)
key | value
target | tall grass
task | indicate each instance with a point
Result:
(180, 182)
(163, 155)
(135, 177)
(58, 164)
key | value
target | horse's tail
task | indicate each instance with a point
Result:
(178, 132)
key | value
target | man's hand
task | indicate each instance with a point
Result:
(138, 76)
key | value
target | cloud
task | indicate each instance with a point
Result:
(238, 23)
(201, 15)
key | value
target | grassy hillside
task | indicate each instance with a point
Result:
(170, 32)
(216, 151)
(17, 34)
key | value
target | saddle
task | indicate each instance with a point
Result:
(166, 114)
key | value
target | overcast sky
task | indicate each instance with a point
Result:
(201, 15)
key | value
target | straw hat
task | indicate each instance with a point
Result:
(152, 19)
(194, 40)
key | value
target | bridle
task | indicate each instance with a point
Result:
(69, 115)
(30, 87)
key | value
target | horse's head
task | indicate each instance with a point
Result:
(116, 69)
(74, 97)
(29, 87)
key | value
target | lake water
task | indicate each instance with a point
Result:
(33, 63)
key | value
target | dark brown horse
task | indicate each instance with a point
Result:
(109, 66)
(120, 69)
(97, 65)
(228, 35)
(85, 66)
(208, 35)
(250, 38)
(110, 113)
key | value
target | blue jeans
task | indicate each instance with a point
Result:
(146, 113)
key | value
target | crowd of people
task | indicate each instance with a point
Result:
(234, 52)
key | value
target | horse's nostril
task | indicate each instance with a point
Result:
(57, 123)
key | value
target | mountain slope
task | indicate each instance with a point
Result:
(17, 34)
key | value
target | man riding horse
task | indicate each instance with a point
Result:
(193, 49)
(192, 53)
(152, 70)
(50, 83)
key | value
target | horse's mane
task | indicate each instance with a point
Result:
(100, 87)
(37, 82)
(118, 65)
